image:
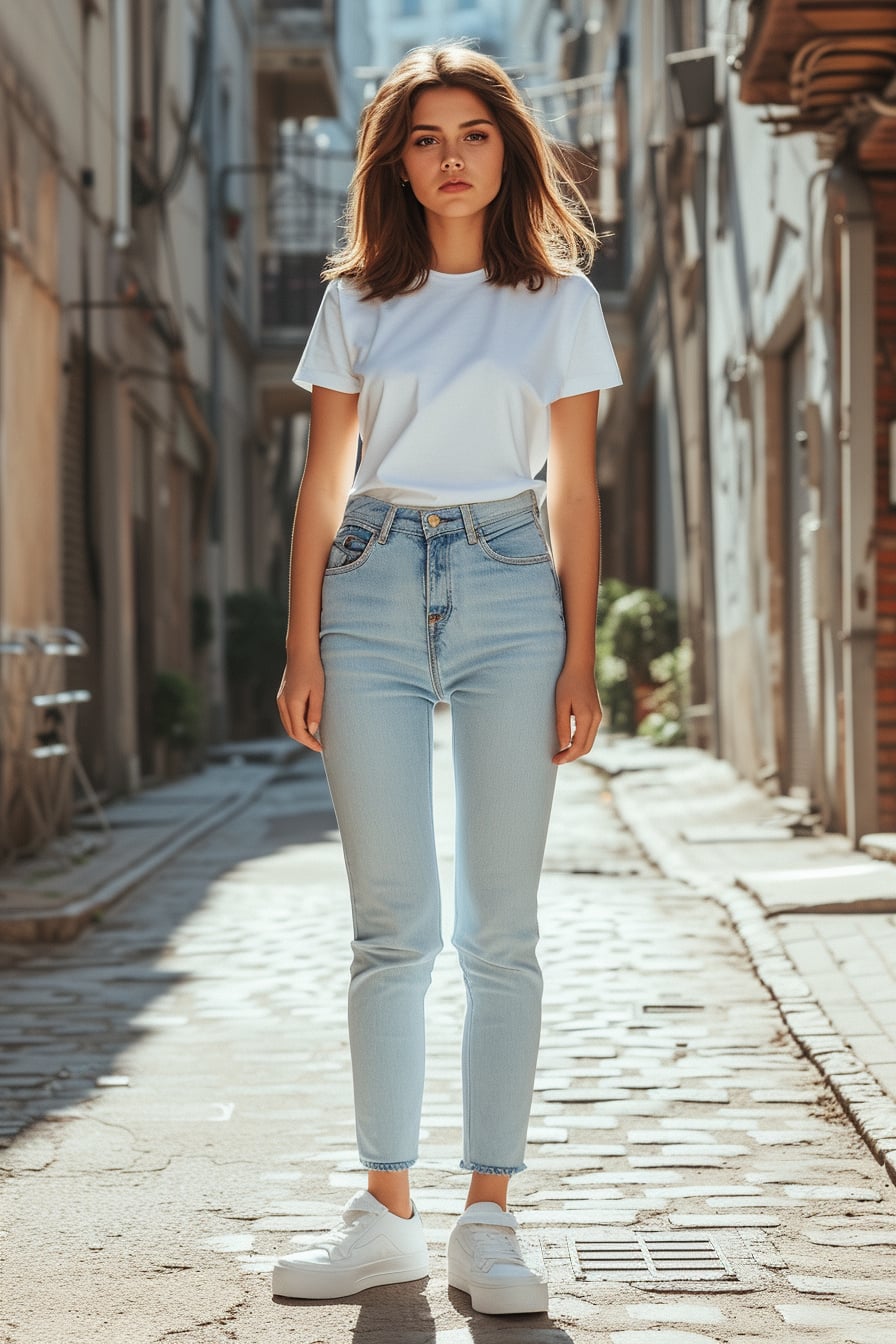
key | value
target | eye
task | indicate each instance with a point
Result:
(479, 135)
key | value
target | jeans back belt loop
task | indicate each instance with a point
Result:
(387, 524)
(469, 525)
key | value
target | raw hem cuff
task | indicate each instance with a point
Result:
(387, 1166)
(491, 1171)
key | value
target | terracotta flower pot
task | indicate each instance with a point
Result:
(641, 695)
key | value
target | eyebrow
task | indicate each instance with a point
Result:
(477, 121)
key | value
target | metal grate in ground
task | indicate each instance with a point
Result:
(651, 1255)
(724, 1260)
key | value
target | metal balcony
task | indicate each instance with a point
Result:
(291, 292)
(296, 63)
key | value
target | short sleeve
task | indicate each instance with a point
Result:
(326, 360)
(591, 363)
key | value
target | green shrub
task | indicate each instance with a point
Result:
(256, 629)
(641, 625)
(610, 592)
(668, 702)
(636, 630)
(176, 710)
(610, 672)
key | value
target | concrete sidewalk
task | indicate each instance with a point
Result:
(177, 1110)
(51, 896)
(818, 918)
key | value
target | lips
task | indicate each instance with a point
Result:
(457, 185)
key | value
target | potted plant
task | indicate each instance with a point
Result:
(611, 673)
(176, 717)
(670, 697)
(641, 626)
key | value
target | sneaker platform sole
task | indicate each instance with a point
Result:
(503, 1300)
(312, 1282)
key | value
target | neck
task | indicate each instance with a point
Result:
(456, 243)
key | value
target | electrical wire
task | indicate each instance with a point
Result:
(167, 185)
(159, 23)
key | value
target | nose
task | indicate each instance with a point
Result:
(452, 161)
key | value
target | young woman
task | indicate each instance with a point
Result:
(458, 335)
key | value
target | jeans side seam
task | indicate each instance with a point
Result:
(467, 1073)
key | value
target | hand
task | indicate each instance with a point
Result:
(576, 700)
(300, 700)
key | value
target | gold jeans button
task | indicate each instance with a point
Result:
(433, 519)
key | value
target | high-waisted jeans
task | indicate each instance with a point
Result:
(461, 604)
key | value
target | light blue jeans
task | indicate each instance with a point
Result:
(462, 604)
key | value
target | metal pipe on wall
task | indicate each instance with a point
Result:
(121, 75)
(676, 456)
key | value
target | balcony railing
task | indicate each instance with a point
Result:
(305, 208)
(296, 11)
(296, 60)
(291, 292)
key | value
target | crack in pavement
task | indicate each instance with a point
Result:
(229, 1315)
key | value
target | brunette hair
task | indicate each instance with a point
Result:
(537, 225)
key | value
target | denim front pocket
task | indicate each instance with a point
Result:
(517, 540)
(351, 546)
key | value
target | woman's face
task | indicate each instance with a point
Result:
(443, 146)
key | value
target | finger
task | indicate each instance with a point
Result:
(304, 736)
(564, 725)
(583, 738)
(566, 739)
(293, 718)
(307, 726)
(315, 707)
(283, 711)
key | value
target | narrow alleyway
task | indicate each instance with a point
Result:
(181, 1073)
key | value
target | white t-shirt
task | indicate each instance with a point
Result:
(456, 380)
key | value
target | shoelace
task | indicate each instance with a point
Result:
(338, 1235)
(498, 1244)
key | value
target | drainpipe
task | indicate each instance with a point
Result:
(215, 578)
(121, 73)
(854, 217)
(677, 453)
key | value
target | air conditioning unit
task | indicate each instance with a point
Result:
(693, 75)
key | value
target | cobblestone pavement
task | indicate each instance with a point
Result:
(179, 1112)
(817, 918)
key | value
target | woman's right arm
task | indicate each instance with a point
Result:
(326, 481)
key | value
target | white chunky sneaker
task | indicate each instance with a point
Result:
(369, 1246)
(484, 1260)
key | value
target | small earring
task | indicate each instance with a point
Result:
(404, 181)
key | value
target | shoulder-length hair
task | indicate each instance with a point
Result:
(538, 224)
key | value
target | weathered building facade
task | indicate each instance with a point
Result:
(110, 464)
(757, 162)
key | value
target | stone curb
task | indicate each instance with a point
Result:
(869, 1107)
(64, 923)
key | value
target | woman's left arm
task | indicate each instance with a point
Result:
(574, 515)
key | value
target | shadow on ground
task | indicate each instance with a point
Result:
(69, 1010)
